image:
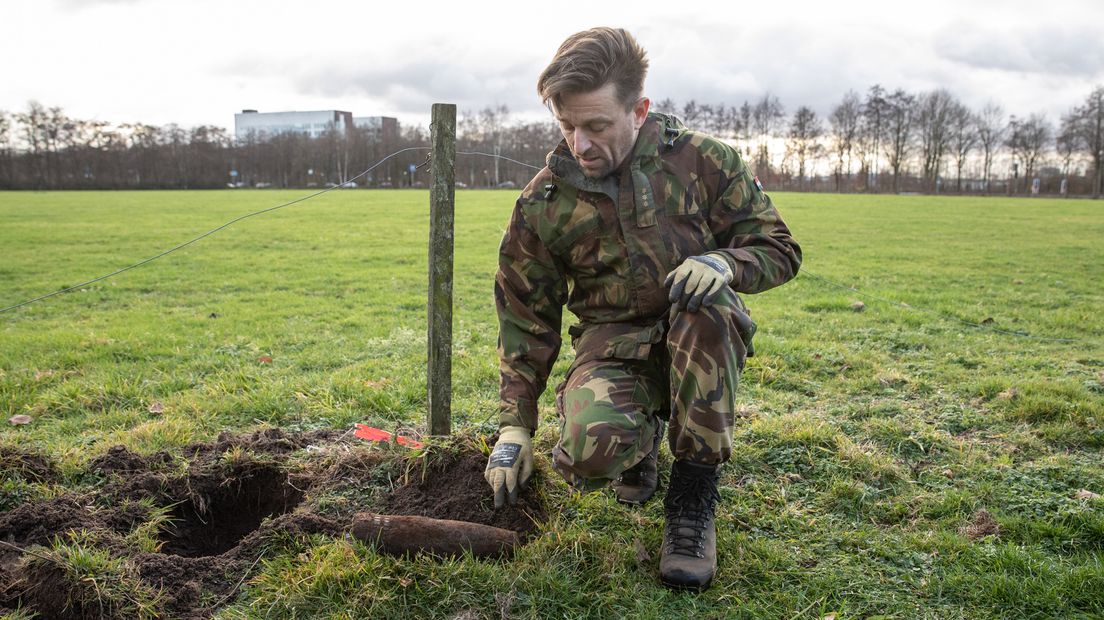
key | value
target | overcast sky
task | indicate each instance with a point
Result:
(200, 61)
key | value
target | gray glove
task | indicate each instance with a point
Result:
(510, 464)
(698, 281)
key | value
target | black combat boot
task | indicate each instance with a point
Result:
(638, 483)
(688, 559)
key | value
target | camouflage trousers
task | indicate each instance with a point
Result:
(610, 407)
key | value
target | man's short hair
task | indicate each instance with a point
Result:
(589, 60)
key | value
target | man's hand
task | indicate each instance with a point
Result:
(512, 455)
(698, 281)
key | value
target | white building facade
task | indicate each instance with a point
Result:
(313, 123)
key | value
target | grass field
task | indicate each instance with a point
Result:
(873, 442)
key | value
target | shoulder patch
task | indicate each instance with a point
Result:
(550, 191)
(758, 184)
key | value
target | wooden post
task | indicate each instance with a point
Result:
(442, 194)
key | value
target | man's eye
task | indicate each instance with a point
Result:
(598, 128)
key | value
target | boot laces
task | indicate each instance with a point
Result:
(690, 506)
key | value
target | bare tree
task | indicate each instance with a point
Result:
(844, 121)
(1088, 127)
(803, 140)
(1027, 139)
(933, 121)
(898, 132)
(666, 106)
(745, 116)
(707, 119)
(6, 172)
(872, 122)
(963, 138)
(32, 122)
(766, 116)
(691, 114)
(732, 123)
(990, 131)
(1067, 145)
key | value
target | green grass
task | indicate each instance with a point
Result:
(868, 441)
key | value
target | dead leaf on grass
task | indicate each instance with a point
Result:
(642, 555)
(1086, 494)
(156, 407)
(19, 420)
(264, 359)
(981, 525)
(43, 374)
(1008, 394)
(376, 384)
(858, 306)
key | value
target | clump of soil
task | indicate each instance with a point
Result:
(453, 487)
(120, 460)
(27, 465)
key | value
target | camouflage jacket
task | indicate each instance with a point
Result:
(604, 246)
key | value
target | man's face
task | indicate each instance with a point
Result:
(598, 129)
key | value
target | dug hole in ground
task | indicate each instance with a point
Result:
(178, 534)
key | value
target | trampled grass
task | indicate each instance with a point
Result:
(870, 440)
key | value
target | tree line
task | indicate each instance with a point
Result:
(880, 141)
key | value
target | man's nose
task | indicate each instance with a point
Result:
(582, 142)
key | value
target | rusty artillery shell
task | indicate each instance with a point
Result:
(400, 534)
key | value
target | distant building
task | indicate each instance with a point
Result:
(313, 123)
(387, 127)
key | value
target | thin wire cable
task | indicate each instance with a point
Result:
(211, 232)
(500, 157)
(899, 304)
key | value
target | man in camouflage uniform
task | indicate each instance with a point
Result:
(646, 231)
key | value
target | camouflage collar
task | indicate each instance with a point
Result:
(646, 153)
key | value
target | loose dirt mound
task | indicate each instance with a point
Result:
(187, 529)
(119, 460)
(454, 488)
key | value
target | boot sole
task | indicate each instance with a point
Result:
(683, 587)
(626, 502)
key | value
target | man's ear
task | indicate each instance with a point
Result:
(640, 111)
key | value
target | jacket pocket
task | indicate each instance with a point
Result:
(624, 341)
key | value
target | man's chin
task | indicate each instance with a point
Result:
(595, 173)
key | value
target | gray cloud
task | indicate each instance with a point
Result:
(1043, 68)
(1050, 49)
(410, 80)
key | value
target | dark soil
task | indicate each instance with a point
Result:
(236, 497)
(454, 488)
(27, 465)
(224, 510)
(119, 460)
